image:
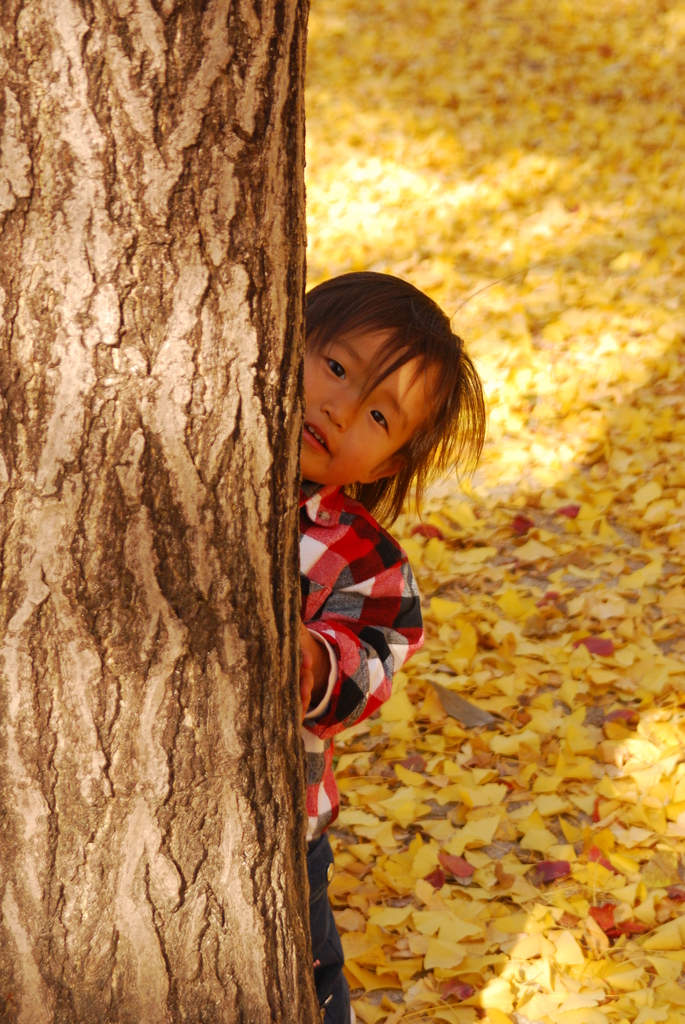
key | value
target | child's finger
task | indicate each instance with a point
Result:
(307, 660)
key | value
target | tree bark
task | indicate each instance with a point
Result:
(152, 848)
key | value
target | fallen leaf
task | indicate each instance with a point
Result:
(436, 878)
(621, 715)
(539, 839)
(604, 915)
(546, 871)
(595, 855)
(426, 530)
(568, 952)
(505, 880)
(455, 866)
(664, 869)
(603, 646)
(443, 954)
(414, 763)
(533, 551)
(521, 525)
(457, 707)
(459, 989)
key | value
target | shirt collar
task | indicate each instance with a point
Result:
(323, 504)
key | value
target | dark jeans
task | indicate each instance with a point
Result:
(331, 984)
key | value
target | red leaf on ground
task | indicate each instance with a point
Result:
(521, 525)
(454, 987)
(415, 763)
(550, 596)
(596, 855)
(595, 810)
(436, 878)
(604, 916)
(547, 870)
(426, 530)
(632, 927)
(601, 645)
(676, 893)
(569, 510)
(456, 866)
(621, 715)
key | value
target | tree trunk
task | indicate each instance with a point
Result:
(152, 849)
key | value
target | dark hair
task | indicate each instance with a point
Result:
(453, 431)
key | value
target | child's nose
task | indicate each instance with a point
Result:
(338, 413)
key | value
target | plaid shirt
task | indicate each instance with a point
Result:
(359, 595)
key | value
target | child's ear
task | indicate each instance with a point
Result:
(392, 465)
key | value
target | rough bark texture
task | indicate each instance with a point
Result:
(151, 283)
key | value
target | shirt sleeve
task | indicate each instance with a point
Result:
(372, 626)
(322, 706)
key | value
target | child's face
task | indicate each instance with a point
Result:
(358, 436)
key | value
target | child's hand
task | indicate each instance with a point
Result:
(306, 674)
(314, 669)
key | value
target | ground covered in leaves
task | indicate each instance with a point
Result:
(511, 845)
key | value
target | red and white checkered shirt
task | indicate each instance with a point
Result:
(360, 597)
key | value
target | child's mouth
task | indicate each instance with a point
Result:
(311, 432)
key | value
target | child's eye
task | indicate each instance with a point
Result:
(337, 369)
(379, 418)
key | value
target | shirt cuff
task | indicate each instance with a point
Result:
(322, 707)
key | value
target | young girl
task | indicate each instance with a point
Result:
(392, 399)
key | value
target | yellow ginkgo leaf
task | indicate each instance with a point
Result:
(443, 954)
(539, 839)
(444, 611)
(567, 949)
(408, 777)
(534, 551)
